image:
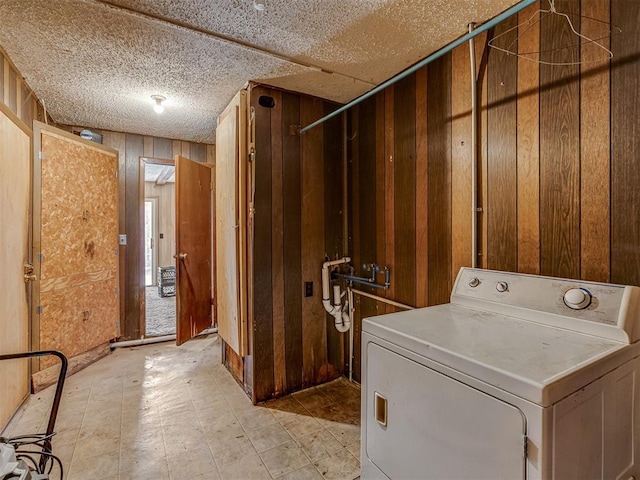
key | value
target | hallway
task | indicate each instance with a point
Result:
(166, 412)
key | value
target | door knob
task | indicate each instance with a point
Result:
(180, 256)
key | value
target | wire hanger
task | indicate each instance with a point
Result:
(535, 56)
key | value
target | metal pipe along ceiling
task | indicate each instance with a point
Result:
(434, 56)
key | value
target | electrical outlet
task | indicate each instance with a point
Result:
(122, 239)
(308, 289)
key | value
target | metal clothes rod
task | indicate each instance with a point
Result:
(443, 51)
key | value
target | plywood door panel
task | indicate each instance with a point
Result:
(78, 243)
(63, 208)
(193, 240)
(15, 164)
(229, 135)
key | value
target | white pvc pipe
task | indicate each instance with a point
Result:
(351, 310)
(341, 319)
(150, 340)
(474, 153)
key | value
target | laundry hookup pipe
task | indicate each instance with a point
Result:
(341, 318)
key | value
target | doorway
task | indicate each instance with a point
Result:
(158, 221)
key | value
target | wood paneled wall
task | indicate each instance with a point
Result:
(298, 221)
(558, 170)
(16, 94)
(130, 148)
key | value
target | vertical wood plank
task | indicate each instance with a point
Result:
(12, 101)
(502, 86)
(461, 212)
(162, 148)
(439, 180)
(313, 315)
(389, 193)
(147, 149)
(117, 141)
(211, 153)
(625, 150)
(422, 266)
(134, 278)
(333, 235)
(595, 144)
(6, 72)
(405, 190)
(18, 111)
(528, 147)
(559, 148)
(292, 218)
(366, 195)
(198, 152)
(186, 150)
(277, 253)
(263, 351)
(176, 148)
(3, 83)
(483, 167)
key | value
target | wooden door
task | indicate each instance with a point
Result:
(15, 186)
(75, 238)
(193, 248)
(231, 224)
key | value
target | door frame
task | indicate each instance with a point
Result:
(142, 288)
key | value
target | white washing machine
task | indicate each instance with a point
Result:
(519, 377)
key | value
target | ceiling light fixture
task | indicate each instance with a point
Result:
(158, 107)
(259, 5)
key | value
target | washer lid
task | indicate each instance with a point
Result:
(536, 362)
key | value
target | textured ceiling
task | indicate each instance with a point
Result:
(96, 63)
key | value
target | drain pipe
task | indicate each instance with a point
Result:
(352, 308)
(342, 320)
(474, 152)
(150, 340)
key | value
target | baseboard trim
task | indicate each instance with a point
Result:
(49, 376)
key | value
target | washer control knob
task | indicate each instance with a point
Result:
(577, 298)
(474, 282)
(502, 286)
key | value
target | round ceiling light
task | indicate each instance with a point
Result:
(259, 5)
(158, 107)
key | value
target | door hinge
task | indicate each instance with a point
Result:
(211, 186)
(41, 257)
(526, 446)
(39, 309)
(40, 155)
(117, 174)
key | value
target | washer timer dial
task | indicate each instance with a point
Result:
(577, 298)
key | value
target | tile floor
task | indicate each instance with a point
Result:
(165, 412)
